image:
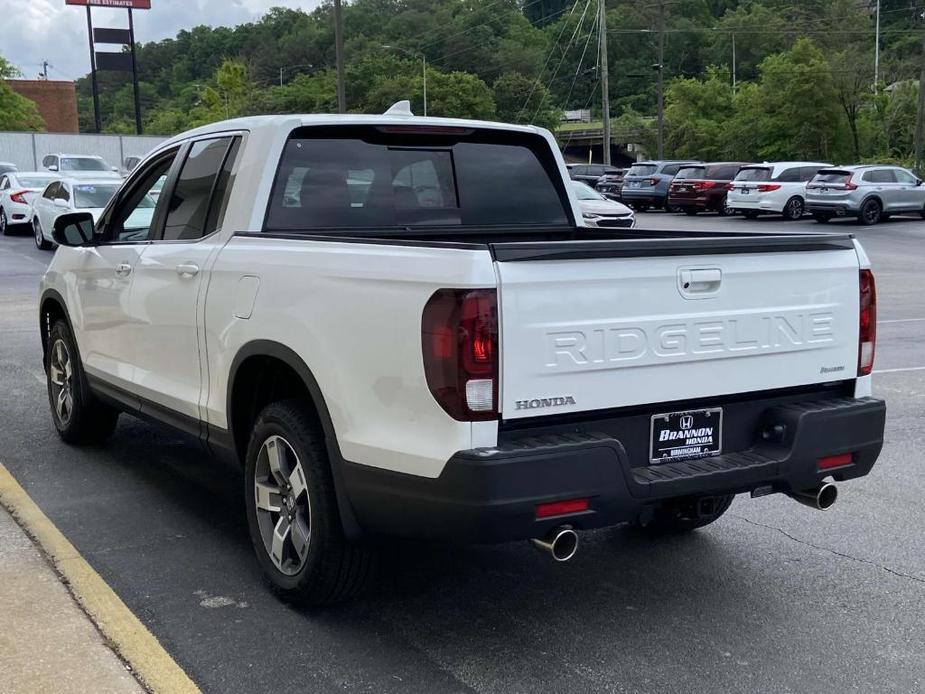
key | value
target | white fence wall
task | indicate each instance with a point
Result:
(26, 150)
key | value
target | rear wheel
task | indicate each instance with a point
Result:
(689, 513)
(870, 213)
(292, 511)
(724, 210)
(40, 242)
(4, 224)
(793, 210)
(690, 211)
(672, 208)
(822, 217)
(78, 416)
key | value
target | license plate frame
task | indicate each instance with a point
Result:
(705, 441)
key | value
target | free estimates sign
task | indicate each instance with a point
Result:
(126, 4)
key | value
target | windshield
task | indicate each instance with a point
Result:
(832, 177)
(585, 192)
(93, 196)
(642, 170)
(691, 172)
(754, 173)
(83, 164)
(36, 182)
(368, 177)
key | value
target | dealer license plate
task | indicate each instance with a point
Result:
(686, 435)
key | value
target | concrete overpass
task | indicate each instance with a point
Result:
(578, 140)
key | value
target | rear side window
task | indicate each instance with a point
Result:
(189, 202)
(642, 170)
(754, 173)
(691, 172)
(50, 191)
(879, 176)
(792, 175)
(368, 177)
(671, 169)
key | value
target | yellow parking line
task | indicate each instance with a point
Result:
(128, 636)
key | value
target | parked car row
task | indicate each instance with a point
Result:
(791, 189)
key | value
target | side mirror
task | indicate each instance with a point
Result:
(74, 229)
(53, 167)
(918, 182)
(61, 202)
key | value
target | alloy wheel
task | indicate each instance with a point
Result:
(61, 375)
(3, 222)
(37, 232)
(283, 508)
(794, 208)
(871, 213)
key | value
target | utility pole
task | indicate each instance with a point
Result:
(339, 54)
(877, 51)
(605, 76)
(920, 115)
(43, 75)
(733, 64)
(135, 91)
(661, 81)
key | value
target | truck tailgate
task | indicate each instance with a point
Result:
(595, 330)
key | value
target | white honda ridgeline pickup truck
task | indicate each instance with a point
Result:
(397, 326)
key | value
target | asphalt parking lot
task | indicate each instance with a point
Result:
(774, 597)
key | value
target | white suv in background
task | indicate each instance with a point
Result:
(772, 188)
(80, 166)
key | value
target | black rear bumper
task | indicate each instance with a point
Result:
(491, 494)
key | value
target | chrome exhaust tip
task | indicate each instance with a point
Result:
(821, 498)
(561, 544)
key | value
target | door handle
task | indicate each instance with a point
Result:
(123, 270)
(187, 269)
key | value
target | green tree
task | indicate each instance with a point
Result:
(16, 111)
(519, 99)
(697, 115)
(450, 94)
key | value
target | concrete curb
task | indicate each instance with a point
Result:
(130, 639)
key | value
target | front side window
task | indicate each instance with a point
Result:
(93, 195)
(367, 177)
(189, 203)
(903, 176)
(133, 217)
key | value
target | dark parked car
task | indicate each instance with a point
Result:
(610, 184)
(646, 183)
(589, 173)
(703, 187)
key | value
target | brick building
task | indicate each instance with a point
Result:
(56, 101)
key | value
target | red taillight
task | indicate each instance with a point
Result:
(730, 186)
(831, 461)
(20, 197)
(459, 338)
(706, 185)
(561, 508)
(652, 181)
(850, 186)
(768, 187)
(867, 323)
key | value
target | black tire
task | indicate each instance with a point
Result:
(691, 211)
(923, 213)
(640, 206)
(331, 569)
(750, 214)
(822, 217)
(724, 210)
(4, 224)
(672, 208)
(78, 416)
(870, 212)
(684, 515)
(40, 241)
(793, 210)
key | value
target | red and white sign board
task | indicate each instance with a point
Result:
(127, 4)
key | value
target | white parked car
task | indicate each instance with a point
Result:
(397, 326)
(17, 190)
(772, 188)
(598, 211)
(64, 196)
(80, 166)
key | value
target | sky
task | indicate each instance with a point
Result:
(50, 30)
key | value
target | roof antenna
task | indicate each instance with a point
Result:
(400, 108)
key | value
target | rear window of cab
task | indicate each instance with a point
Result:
(395, 177)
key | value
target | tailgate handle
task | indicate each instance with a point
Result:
(698, 282)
